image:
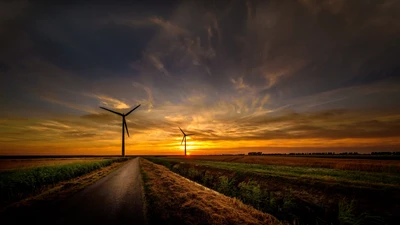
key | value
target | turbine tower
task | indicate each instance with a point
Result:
(124, 126)
(184, 138)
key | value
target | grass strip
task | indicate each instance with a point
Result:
(19, 184)
(50, 198)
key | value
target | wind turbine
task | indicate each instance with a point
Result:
(124, 126)
(184, 138)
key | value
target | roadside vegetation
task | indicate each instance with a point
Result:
(301, 195)
(21, 183)
(51, 197)
(172, 199)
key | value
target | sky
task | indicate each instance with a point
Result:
(272, 76)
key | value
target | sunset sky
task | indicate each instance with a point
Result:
(271, 76)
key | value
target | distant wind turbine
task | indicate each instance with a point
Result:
(124, 126)
(184, 138)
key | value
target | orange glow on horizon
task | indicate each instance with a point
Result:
(134, 147)
(45, 137)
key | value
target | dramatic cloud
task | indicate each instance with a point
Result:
(240, 75)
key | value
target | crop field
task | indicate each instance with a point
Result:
(301, 190)
(13, 164)
(29, 178)
(372, 164)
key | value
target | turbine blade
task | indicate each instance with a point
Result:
(182, 131)
(189, 134)
(126, 127)
(182, 139)
(132, 110)
(111, 111)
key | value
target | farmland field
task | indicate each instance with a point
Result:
(303, 190)
(373, 164)
(13, 164)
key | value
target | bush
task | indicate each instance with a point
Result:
(208, 179)
(250, 192)
(226, 186)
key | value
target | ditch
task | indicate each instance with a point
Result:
(280, 197)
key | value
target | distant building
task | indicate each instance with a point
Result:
(255, 153)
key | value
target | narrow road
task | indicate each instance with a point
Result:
(115, 199)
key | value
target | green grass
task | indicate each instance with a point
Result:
(18, 184)
(347, 214)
